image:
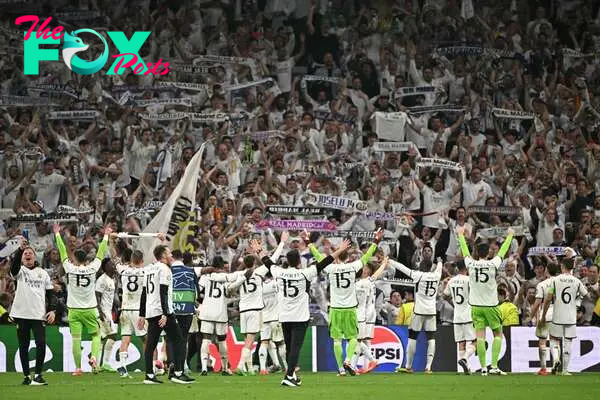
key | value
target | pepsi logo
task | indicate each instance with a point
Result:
(387, 348)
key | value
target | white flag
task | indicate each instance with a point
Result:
(174, 218)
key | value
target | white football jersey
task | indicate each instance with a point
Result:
(251, 292)
(483, 289)
(157, 274)
(426, 290)
(342, 284)
(81, 284)
(458, 288)
(566, 289)
(30, 296)
(293, 285)
(105, 285)
(363, 294)
(215, 286)
(541, 290)
(270, 312)
(132, 282)
(371, 310)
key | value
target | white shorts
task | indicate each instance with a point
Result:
(464, 332)
(271, 331)
(250, 322)
(107, 328)
(425, 323)
(562, 331)
(542, 331)
(128, 323)
(365, 330)
(216, 328)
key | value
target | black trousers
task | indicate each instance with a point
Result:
(184, 321)
(194, 344)
(293, 334)
(174, 336)
(24, 328)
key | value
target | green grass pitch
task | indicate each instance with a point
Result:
(322, 386)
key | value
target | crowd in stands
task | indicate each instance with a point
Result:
(490, 109)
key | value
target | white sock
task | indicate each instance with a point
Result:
(461, 354)
(204, 354)
(263, 350)
(123, 359)
(356, 355)
(223, 353)
(272, 350)
(469, 351)
(366, 351)
(412, 348)
(430, 353)
(555, 351)
(567, 343)
(163, 354)
(108, 348)
(543, 354)
(281, 350)
(249, 361)
(243, 357)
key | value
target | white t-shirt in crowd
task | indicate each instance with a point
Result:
(48, 190)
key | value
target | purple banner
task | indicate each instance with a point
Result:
(297, 225)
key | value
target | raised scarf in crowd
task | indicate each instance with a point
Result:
(321, 225)
(336, 202)
(393, 146)
(439, 163)
(434, 109)
(556, 251)
(264, 135)
(512, 114)
(74, 115)
(495, 210)
(184, 102)
(500, 231)
(24, 101)
(408, 91)
(296, 210)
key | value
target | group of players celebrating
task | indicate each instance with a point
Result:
(274, 303)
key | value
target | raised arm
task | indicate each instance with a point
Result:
(373, 248)
(104, 243)
(330, 258)
(507, 242)
(401, 267)
(305, 236)
(60, 245)
(15, 267)
(462, 242)
(381, 268)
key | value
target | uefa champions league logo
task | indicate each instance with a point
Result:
(128, 56)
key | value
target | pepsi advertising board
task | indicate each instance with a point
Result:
(388, 347)
(518, 354)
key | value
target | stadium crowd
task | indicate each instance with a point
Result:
(422, 116)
